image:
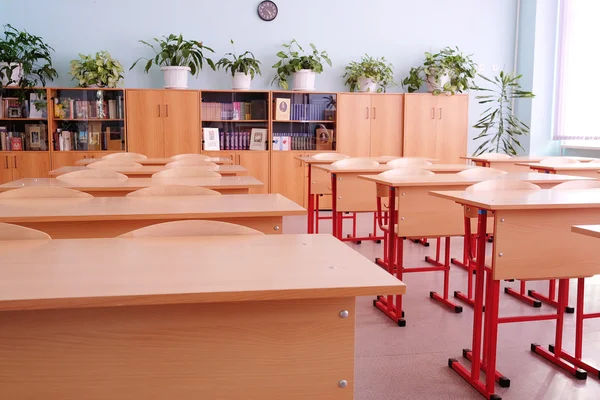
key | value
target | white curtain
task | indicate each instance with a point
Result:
(577, 113)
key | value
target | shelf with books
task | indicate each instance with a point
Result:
(89, 119)
(22, 119)
(235, 120)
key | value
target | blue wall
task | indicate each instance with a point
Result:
(400, 30)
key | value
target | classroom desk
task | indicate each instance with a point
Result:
(146, 171)
(416, 214)
(159, 161)
(117, 187)
(238, 317)
(513, 164)
(532, 241)
(105, 217)
(581, 169)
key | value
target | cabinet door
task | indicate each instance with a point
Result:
(31, 164)
(69, 158)
(420, 125)
(353, 124)
(257, 163)
(145, 112)
(181, 122)
(287, 175)
(452, 128)
(386, 125)
(6, 167)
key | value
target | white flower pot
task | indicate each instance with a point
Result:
(176, 77)
(367, 85)
(304, 80)
(437, 84)
(17, 73)
(241, 81)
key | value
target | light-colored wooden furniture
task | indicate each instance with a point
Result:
(576, 169)
(406, 161)
(406, 171)
(168, 322)
(189, 156)
(436, 126)
(186, 172)
(288, 175)
(558, 161)
(329, 156)
(191, 228)
(43, 192)
(114, 216)
(482, 172)
(125, 156)
(168, 190)
(146, 171)
(256, 162)
(114, 164)
(579, 184)
(190, 162)
(16, 232)
(94, 174)
(158, 161)
(68, 158)
(111, 187)
(355, 163)
(510, 164)
(498, 185)
(371, 125)
(163, 123)
(23, 164)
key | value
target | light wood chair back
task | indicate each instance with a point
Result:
(43, 192)
(187, 172)
(574, 185)
(356, 163)
(88, 173)
(405, 161)
(330, 156)
(17, 232)
(190, 157)
(125, 156)
(191, 228)
(406, 172)
(172, 190)
(481, 172)
(114, 164)
(495, 156)
(190, 162)
(496, 185)
(558, 161)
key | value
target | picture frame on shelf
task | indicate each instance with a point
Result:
(14, 112)
(282, 109)
(211, 138)
(33, 137)
(258, 139)
(324, 138)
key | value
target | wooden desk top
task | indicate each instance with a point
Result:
(458, 180)
(158, 161)
(520, 159)
(105, 185)
(447, 168)
(587, 230)
(589, 166)
(78, 273)
(382, 159)
(525, 199)
(136, 208)
(148, 169)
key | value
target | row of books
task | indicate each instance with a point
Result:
(89, 140)
(236, 111)
(10, 107)
(11, 141)
(307, 112)
(294, 141)
(82, 109)
(34, 138)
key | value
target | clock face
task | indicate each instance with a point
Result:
(267, 10)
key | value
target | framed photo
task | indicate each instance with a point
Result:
(211, 138)
(258, 139)
(14, 112)
(33, 136)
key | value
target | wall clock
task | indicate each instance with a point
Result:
(267, 10)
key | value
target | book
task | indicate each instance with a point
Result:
(258, 109)
(285, 143)
(120, 107)
(16, 144)
(282, 109)
(66, 137)
(33, 137)
(258, 139)
(82, 141)
(3, 134)
(112, 109)
(211, 138)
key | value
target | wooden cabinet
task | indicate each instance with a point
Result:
(288, 175)
(6, 167)
(257, 163)
(220, 153)
(436, 126)
(370, 125)
(23, 164)
(69, 158)
(163, 123)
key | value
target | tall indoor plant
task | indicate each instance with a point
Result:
(242, 68)
(499, 128)
(448, 71)
(369, 75)
(303, 67)
(177, 57)
(100, 70)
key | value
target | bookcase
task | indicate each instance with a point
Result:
(238, 117)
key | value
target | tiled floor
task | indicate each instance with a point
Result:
(411, 362)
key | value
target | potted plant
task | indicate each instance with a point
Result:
(369, 75)
(448, 71)
(242, 68)
(177, 57)
(500, 128)
(100, 70)
(24, 60)
(293, 61)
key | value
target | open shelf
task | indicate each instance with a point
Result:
(23, 119)
(88, 119)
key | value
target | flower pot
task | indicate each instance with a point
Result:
(367, 84)
(241, 81)
(16, 75)
(437, 84)
(176, 77)
(304, 80)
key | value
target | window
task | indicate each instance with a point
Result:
(577, 107)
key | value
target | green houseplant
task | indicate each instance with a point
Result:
(25, 60)
(369, 75)
(499, 129)
(448, 71)
(177, 57)
(304, 67)
(101, 70)
(242, 68)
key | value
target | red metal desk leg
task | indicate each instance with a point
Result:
(550, 299)
(334, 212)
(310, 204)
(446, 269)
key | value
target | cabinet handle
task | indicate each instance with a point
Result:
(6, 158)
(239, 160)
(167, 110)
(15, 158)
(367, 112)
(440, 113)
(433, 113)
(159, 111)
(374, 113)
